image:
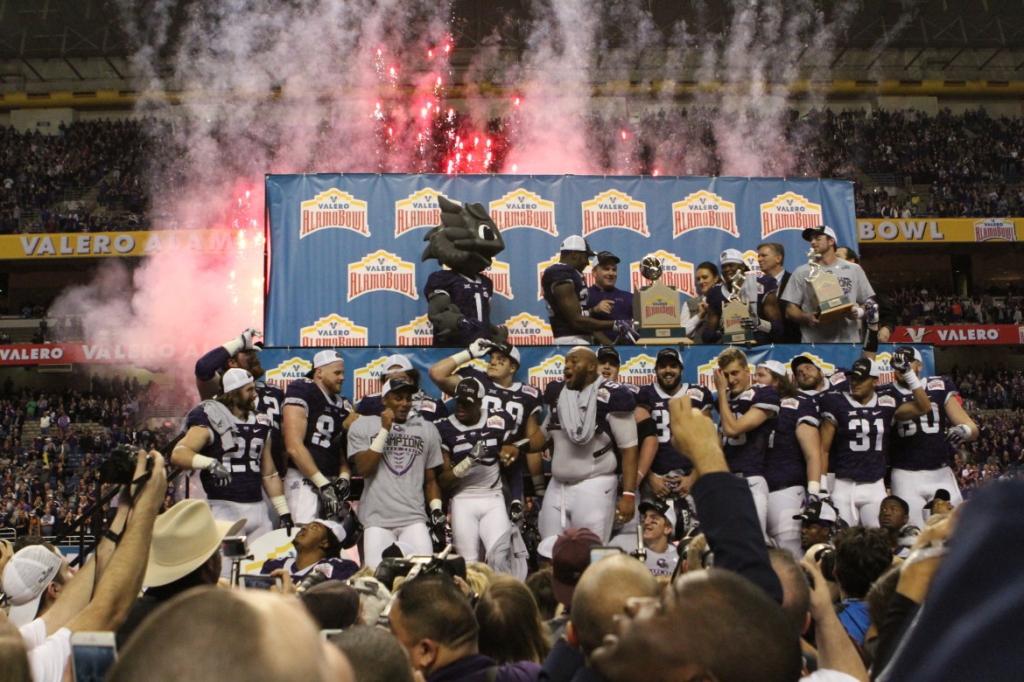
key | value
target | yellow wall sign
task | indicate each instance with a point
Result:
(124, 244)
(899, 230)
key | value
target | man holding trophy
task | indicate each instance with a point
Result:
(826, 296)
(743, 308)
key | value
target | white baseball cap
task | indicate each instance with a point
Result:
(25, 579)
(577, 243)
(235, 378)
(731, 256)
(774, 366)
(326, 357)
(397, 363)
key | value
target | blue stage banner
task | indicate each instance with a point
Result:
(543, 364)
(345, 250)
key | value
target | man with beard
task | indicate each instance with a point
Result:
(474, 444)
(399, 457)
(316, 419)
(242, 352)
(855, 429)
(521, 401)
(665, 473)
(593, 431)
(229, 443)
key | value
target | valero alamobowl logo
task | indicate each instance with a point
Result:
(287, 372)
(547, 371)
(614, 209)
(333, 331)
(529, 330)
(419, 209)
(886, 374)
(333, 209)
(382, 271)
(789, 211)
(704, 210)
(501, 276)
(638, 370)
(367, 378)
(676, 272)
(419, 332)
(998, 229)
(522, 208)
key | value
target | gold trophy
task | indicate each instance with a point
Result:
(740, 304)
(829, 300)
(656, 307)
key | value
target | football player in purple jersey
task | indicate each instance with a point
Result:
(855, 429)
(475, 445)
(522, 402)
(429, 408)
(243, 352)
(745, 411)
(919, 452)
(793, 466)
(592, 427)
(229, 443)
(316, 419)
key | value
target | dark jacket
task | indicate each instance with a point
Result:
(477, 668)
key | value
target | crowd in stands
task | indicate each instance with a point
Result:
(49, 474)
(932, 306)
(971, 162)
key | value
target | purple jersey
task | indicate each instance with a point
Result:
(325, 435)
(495, 428)
(518, 400)
(556, 274)
(243, 459)
(334, 569)
(716, 298)
(473, 299)
(785, 465)
(746, 452)
(862, 434)
(269, 400)
(654, 398)
(920, 443)
(431, 409)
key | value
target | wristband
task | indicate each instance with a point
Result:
(913, 383)
(462, 357)
(112, 536)
(379, 441)
(280, 505)
(522, 445)
(435, 504)
(813, 487)
(347, 475)
(861, 312)
(319, 480)
(640, 476)
(202, 461)
(628, 493)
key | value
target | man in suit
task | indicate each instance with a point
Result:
(771, 257)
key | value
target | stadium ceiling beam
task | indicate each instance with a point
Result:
(113, 68)
(953, 58)
(916, 56)
(991, 57)
(73, 69)
(33, 70)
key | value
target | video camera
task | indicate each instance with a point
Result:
(119, 466)
(414, 566)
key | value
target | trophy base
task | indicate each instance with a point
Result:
(738, 338)
(654, 336)
(833, 311)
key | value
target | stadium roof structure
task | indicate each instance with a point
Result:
(42, 41)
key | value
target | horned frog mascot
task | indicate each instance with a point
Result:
(459, 298)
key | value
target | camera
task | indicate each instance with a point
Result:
(827, 557)
(393, 567)
(119, 466)
(234, 548)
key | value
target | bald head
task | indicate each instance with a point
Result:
(602, 593)
(580, 368)
(259, 636)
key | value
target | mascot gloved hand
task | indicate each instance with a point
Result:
(459, 298)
